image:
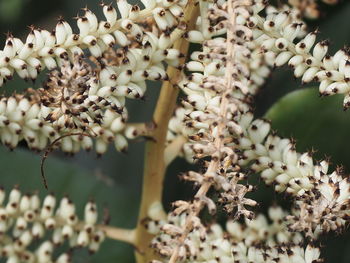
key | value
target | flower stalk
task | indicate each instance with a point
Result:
(155, 165)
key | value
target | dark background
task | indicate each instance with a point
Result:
(114, 180)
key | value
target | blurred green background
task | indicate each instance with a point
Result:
(114, 180)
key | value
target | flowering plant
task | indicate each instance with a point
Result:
(215, 56)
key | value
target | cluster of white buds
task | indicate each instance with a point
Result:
(254, 241)
(310, 60)
(261, 63)
(322, 197)
(44, 49)
(217, 89)
(310, 8)
(79, 98)
(257, 63)
(24, 221)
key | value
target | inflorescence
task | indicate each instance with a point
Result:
(27, 223)
(93, 72)
(78, 97)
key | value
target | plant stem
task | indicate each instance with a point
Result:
(125, 235)
(154, 169)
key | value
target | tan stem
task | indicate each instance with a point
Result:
(155, 166)
(116, 233)
(125, 235)
(140, 129)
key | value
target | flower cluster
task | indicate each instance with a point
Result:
(257, 63)
(254, 241)
(80, 98)
(24, 221)
(321, 198)
(310, 60)
(217, 89)
(84, 98)
(49, 49)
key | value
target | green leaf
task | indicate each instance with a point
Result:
(314, 122)
(23, 168)
(10, 10)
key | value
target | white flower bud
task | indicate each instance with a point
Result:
(50, 63)
(197, 101)
(258, 131)
(60, 33)
(90, 213)
(283, 179)
(25, 203)
(195, 36)
(300, 70)
(195, 66)
(91, 17)
(269, 25)
(110, 14)
(290, 156)
(25, 239)
(280, 18)
(83, 25)
(57, 237)
(44, 252)
(282, 44)
(34, 202)
(67, 231)
(309, 74)
(311, 254)
(38, 230)
(101, 146)
(14, 196)
(304, 46)
(283, 58)
(21, 223)
(124, 77)
(50, 223)
(320, 50)
(159, 17)
(121, 38)
(83, 238)
(176, 10)
(108, 39)
(9, 49)
(120, 143)
(63, 258)
(48, 207)
(164, 41)
(296, 60)
(26, 51)
(18, 64)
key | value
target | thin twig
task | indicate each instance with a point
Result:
(50, 148)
